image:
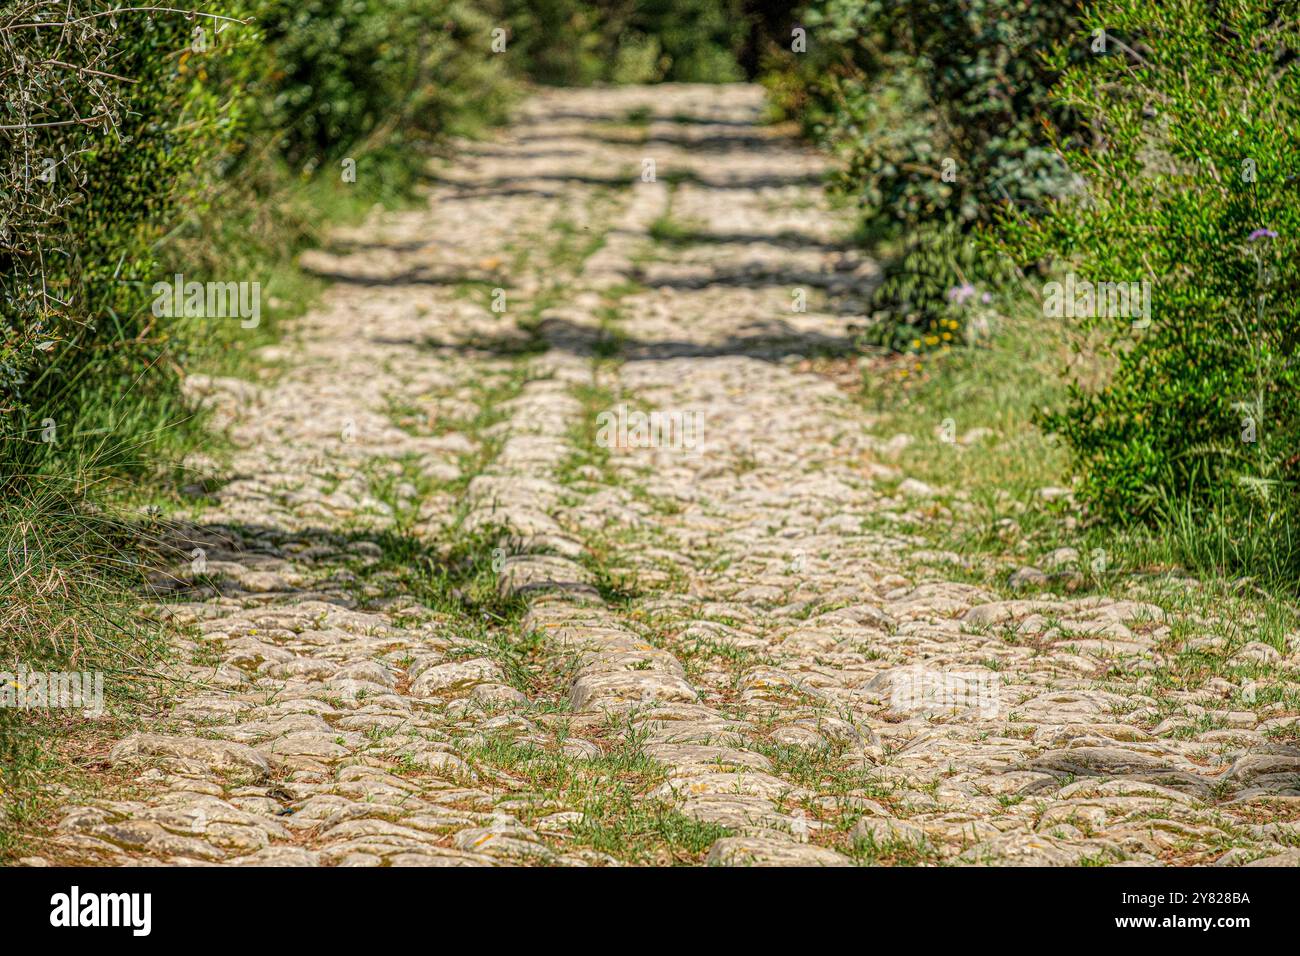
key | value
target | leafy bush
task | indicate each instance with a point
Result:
(338, 72)
(934, 106)
(1190, 187)
(935, 111)
(700, 38)
(942, 291)
(576, 42)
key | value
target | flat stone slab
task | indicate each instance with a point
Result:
(753, 851)
(620, 689)
(222, 756)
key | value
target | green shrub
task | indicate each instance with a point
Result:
(700, 38)
(935, 111)
(935, 106)
(557, 42)
(577, 42)
(1191, 186)
(340, 72)
(942, 291)
(80, 244)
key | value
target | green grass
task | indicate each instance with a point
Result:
(992, 510)
(638, 116)
(611, 791)
(68, 587)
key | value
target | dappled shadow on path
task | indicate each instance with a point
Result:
(772, 340)
(506, 185)
(266, 564)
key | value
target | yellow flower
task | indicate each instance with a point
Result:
(932, 340)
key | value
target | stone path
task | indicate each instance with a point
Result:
(454, 602)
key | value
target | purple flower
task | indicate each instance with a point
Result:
(1261, 234)
(960, 293)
